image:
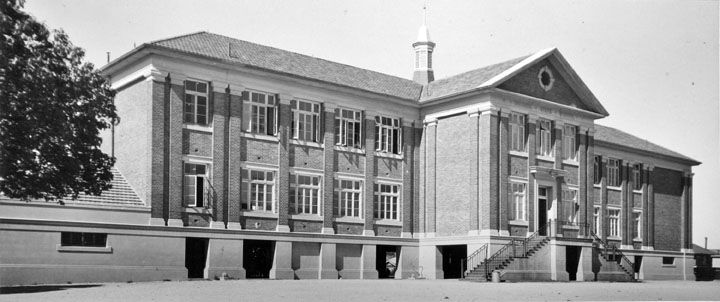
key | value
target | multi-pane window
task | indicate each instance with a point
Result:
(348, 128)
(195, 183)
(196, 102)
(569, 150)
(305, 194)
(518, 204)
(387, 201)
(348, 198)
(388, 135)
(517, 131)
(597, 172)
(614, 222)
(569, 197)
(637, 220)
(544, 138)
(259, 113)
(83, 239)
(613, 172)
(637, 177)
(596, 221)
(305, 120)
(258, 190)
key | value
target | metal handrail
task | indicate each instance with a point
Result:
(623, 261)
(506, 253)
(210, 196)
(474, 260)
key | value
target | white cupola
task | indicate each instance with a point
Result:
(423, 57)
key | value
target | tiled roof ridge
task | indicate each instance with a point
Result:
(236, 40)
(662, 150)
(178, 37)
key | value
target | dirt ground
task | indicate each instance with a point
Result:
(366, 290)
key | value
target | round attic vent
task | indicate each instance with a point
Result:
(546, 78)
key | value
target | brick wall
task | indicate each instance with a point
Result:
(198, 143)
(452, 185)
(306, 157)
(668, 188)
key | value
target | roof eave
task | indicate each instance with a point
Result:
(685, 160)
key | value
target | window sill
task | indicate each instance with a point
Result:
(638, 240)
(259, 214)
(306, 217)
(614, 188)
(84, 249)
(388, 222)
(546, 158)
(198, 127)
(668, 265)
(637, 191)
(519, 222)
(570, 227)
(346, 219)
(261, 137)
(518, 153)
(614, 238)
(197, 210)
(598, 186)
(298, 142)
(388, 155)
(571, 162)
(349, 150)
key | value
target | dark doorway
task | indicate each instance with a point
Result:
(258, 258)
(196, 256)
(387, 260)
(542, 199)
(636, 266)
(452, 256)
(572, 260)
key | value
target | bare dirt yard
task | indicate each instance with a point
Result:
(366, 290)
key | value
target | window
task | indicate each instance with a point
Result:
(387, 201)
(196, 102)
(637, 177)
(517, 131)
(518, 205)
(348, 128)
(613, 172)
(305, 194)
(305, 121)
(668, 260)
(259, 113)
(569, 197)
(83, 239)
(348, 198)
(596, 221)
(544, 139)
(597, 171)
(196, 184)
(388, 135)
(258, 190)
(614, 222)
(637, 219)
(569, 147)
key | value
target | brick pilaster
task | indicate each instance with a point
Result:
(430, 182)
(651, 209)
(160, 145)
(474, 175)
(284, 163)
(629, 205)
(503, 172)
(328, 130)
(557, 145)
(369, 145)
(645, 206)
(590, 177)
(407, 176)
(176, 207)
(583, 183)
(603, 195)
(530, 147)
(489, 164)
(234, 149)
(221, 102)
(417, 137)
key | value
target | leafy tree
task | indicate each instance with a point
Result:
(52, 109)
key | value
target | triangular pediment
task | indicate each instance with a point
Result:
(547, 75)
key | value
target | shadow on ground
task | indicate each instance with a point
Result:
(41, 288)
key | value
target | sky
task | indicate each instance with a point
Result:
(652, 64)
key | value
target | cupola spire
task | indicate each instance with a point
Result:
(423, 53)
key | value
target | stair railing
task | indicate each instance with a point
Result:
(618, 256)
(210, 196)
(510, 251)
(474, 260)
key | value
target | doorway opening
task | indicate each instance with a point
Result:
(196, 256)
(542, 210)
(572, 260)
(258, 258)
(386, 261)
(637, 265)
(452, 257)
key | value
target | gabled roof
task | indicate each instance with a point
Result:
(234, 51)
(492, 76)
(619, 138)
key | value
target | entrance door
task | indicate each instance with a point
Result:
(542, 209)
(452, 256)
(386, 260)
(196, 256)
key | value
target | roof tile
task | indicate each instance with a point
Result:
(620, 138)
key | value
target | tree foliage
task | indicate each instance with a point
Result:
(52, 109)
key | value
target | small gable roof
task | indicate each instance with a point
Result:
(619, 138)
(492, 76)
(239, 52)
